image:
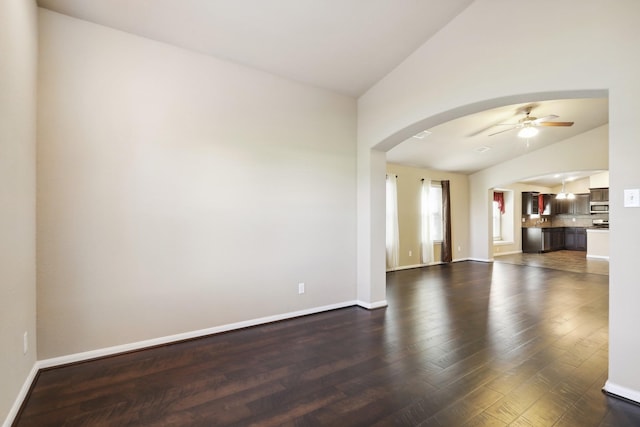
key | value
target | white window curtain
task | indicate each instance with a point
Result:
(392, 229)
(426, 242)
(435, 211)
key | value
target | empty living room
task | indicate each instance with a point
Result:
(195, 213)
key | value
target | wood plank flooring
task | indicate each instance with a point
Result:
(575, 261)
(463, 345)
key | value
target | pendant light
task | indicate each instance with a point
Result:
(562, 195)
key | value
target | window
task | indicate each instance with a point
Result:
(435, 212)
(431, 226)
(502, 209)
(497, 221)
(392, 229)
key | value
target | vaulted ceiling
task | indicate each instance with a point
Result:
(343, 46)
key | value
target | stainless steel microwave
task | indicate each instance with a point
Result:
(599, 207)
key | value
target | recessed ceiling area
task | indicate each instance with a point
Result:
(465, 145)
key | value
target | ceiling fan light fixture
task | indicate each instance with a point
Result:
(527, 132)
(561, 196)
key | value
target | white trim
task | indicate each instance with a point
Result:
(109, 351)
(506, 253)
(409, 267)
(406, 267)
(598, 257)
(479, 259)
(372, 305)
(503, 242)
(24, 391)
(620, 391)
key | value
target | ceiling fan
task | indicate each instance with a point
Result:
(529, 123)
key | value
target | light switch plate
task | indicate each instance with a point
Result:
(632, 198)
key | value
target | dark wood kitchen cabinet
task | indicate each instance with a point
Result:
(575, 238)
(539, 239)
(530, 203)
(556, 236)
(581, 204)
(561, 206)
(578, 206)
(599, 194)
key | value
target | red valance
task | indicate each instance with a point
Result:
(499, 197)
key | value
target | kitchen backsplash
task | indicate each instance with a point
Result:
(563, 220)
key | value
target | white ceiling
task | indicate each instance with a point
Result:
(455, 146)
(342, 45)
(345, 46)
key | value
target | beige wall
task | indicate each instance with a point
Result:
(18, 58)
(477, 62)
(409, 185)
(178, 192)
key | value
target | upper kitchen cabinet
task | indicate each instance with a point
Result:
(578, 206)
(599, 194)
(581, 204)
(530, 203)
(534, 203)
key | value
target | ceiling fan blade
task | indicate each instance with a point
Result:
(502, 131)
(486, 128)
(545, 118)
(555, 124)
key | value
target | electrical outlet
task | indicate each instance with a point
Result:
(301, 288)
(410, 253)
(25, 343)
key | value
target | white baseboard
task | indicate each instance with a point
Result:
(606, 258)
(620, 391)
(409, 267)
(480, 259)
(24, 390)
(372, 305)
(506, 253)
(110, 351)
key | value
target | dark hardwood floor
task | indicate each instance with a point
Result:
(462, 345)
